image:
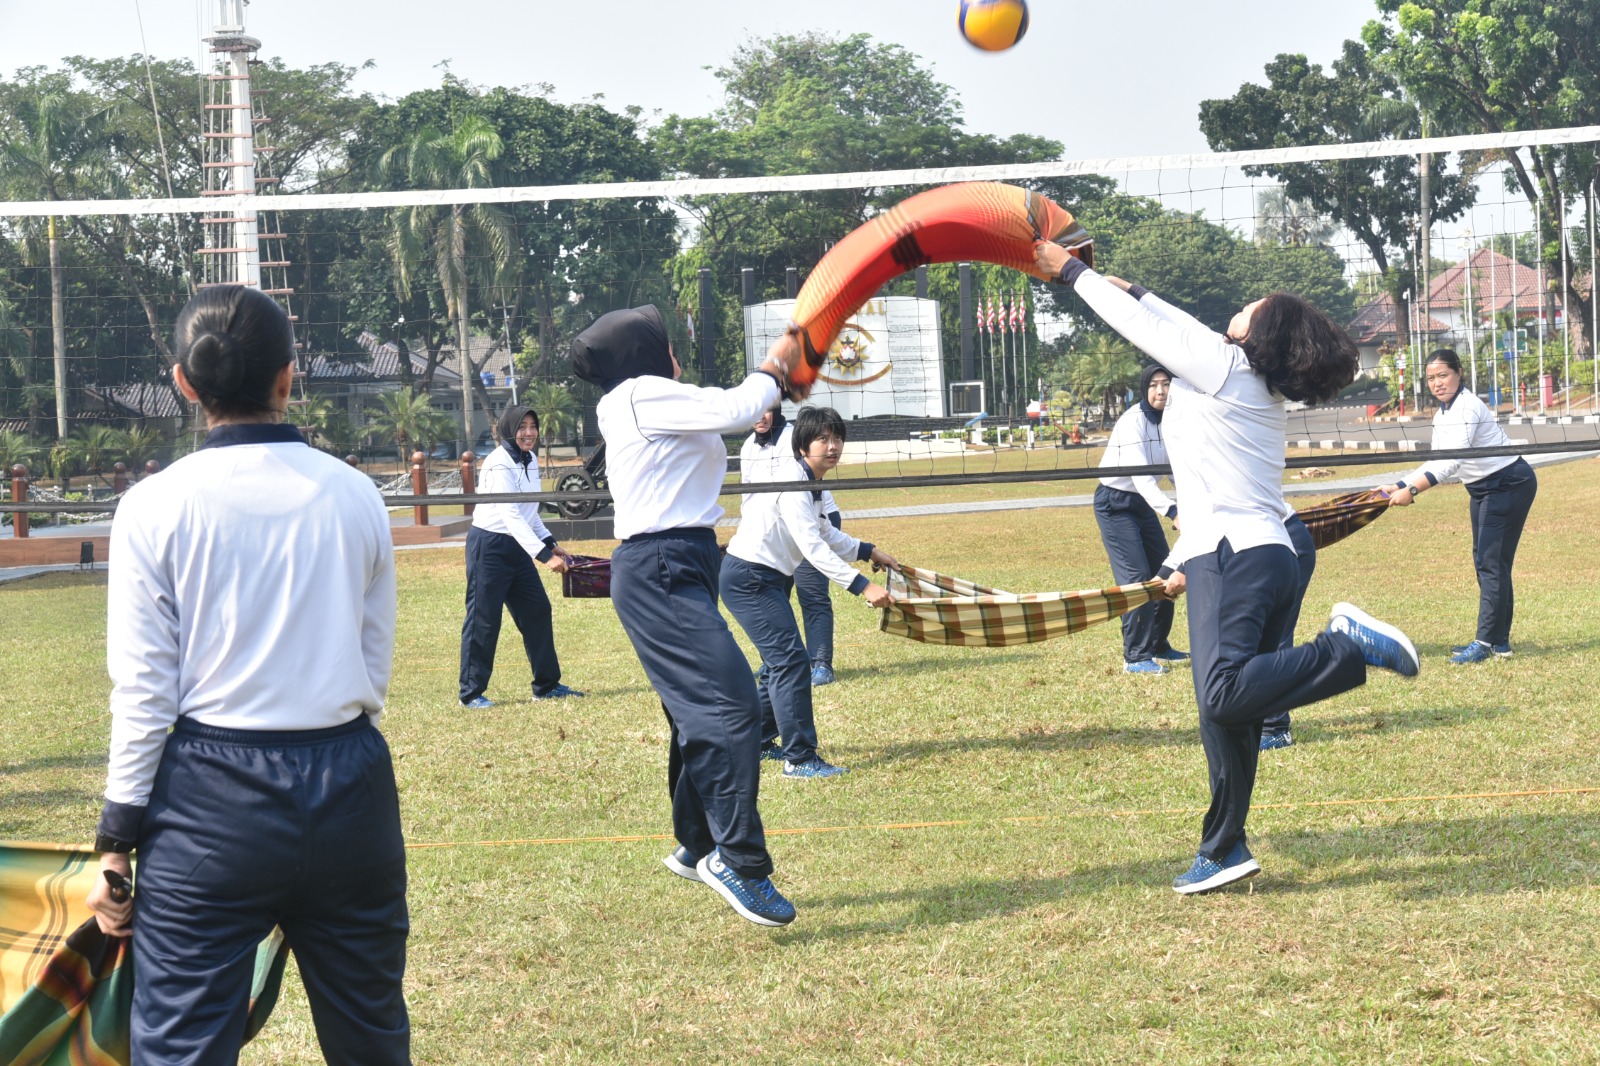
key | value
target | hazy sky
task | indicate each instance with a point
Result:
(1103, 78)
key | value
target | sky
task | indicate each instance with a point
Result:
(1104, 79)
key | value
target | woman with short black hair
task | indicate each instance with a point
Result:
(505, 540)
(251, 612)
(1501, 491)
(777, 531)
(1224, 427)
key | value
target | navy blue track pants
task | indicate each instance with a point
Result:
(501, 574)
(1499, 506)
(247, 830)
(1305, 557)
(1136, 547)
(664, 587)
(758, 598)
(1240, 604)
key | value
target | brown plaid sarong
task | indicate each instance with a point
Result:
(1341, 516)
(936, 608)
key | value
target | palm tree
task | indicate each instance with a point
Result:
(56, 138)
(15, 448)
(469, 243)
(315, 415)
(138, 444)
(557, 411)
(1104, 367)
(409, 418)
(1281, 219)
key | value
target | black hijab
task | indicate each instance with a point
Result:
(774, 431)
(1145, 378)
(620, 345)
(510, 421)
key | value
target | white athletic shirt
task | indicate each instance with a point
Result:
(771, 462)
(1464, 422)
(1223, 427)
(501, 473)
(664, 452)
(1136, 441)
(251, 586)
(781, 530)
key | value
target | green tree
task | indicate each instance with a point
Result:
(410, 420)
(1104, 368)
(15, 448)
(1498, 65)
(813, 103)
(53, 143)
(1377, 200)
(1281, 219)
(469, 244)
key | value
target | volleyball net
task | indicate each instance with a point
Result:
(420, 314)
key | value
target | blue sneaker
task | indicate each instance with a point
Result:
(1207, 875)
(821, 674)
(771, 751)
(1476, 652)
(1144, 666)
(682, 862)
(1381, 644)
(1501, 651)
(560, 692)
(1274, 741)
(754, 898)
(816, 766)
(1172, 655)
(478, 703)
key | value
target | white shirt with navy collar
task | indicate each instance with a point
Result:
(1223, 427)
(1136, 441)
(665, 456)
(501, 473)
(780, 530)
(1464, 422)
(251, 586)
(771, 462)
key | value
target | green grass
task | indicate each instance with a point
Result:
(1039, 928)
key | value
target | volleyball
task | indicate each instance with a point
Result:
(993, 25)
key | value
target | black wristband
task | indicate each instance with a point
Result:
(1071, 270)
(104, 843)
(1138, 292)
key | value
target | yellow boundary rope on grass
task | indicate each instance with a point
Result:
(1022, 819)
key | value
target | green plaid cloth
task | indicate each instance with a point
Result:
(66, 989)
(1331, 522)
(936, 608)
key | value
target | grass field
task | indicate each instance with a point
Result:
(1405, 914)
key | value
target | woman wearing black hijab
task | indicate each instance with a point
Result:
(666, 461)
(1127, 510)
(505, 540)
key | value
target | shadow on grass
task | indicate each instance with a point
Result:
(1089, 737)
(1432, 858)
(74, 760)
(22, 810)
(1421, 860)
(869, 675)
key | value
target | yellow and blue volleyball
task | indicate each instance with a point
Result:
(993, 25)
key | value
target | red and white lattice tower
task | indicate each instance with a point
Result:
(242, 247)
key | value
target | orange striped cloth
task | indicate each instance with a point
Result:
(936, 608)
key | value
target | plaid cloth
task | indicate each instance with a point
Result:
(587, 577)
(1341, 516)
(66, 989)
(936, 608)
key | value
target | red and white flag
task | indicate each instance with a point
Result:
(994, 321)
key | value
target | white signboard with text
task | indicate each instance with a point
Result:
(886, 361)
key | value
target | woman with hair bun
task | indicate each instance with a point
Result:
(251, 612)
(1501, 489)
(1224, 429)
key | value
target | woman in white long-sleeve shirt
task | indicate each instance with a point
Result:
(1501, 489)
(505, 540)
(666, 461)
(1224, 427)
(777, 532)
(767, 454)
(1128, 511)
(251, 611)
